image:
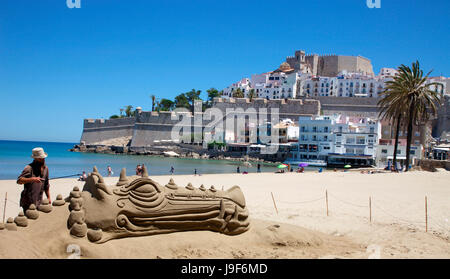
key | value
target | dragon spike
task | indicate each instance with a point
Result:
(100, 178)
(123, 177)
(202, 188)
(189, 186)
(144, 171)
(95, 169)
(172, 185)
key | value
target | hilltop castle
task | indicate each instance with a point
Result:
(328, 65)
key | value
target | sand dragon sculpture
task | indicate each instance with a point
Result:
(140, 206)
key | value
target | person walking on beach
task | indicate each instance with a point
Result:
(138, 170)
(259, 167)
(34, 177)
(110, 172)
(171, 170)
(195, 172)
(238, 169)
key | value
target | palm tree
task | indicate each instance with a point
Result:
(153, 97)
(409, 96)
(238, 93)
(392, 109)
(128, 111)
(251, 94)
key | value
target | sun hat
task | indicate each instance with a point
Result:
(38, 153)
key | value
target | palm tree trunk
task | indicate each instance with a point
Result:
(409, 137)
(397, 131)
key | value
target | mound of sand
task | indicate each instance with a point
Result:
(48, 237)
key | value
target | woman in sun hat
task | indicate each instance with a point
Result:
(34, 177)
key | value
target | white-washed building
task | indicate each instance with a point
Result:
(337, 141)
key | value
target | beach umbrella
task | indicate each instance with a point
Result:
(303, 165)
(347, 166)
(282, 166)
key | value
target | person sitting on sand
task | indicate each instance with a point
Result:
(34, 177)
(83, 177)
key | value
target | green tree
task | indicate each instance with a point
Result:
(192, 96)
(238, 93)
(129, 111)
(166, 105)
(181, 101)
(392, 108)
(212, 93)
(409, 95)
(251, 94)
(114, 116)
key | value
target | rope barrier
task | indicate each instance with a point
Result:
(398, 218)
(302, 202)
(350, 203)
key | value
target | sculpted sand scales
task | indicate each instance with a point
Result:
(139, 206)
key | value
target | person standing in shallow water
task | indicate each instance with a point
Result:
(34, 177)
(109, 170)
(172, 170)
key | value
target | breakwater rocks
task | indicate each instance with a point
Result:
(180, 151)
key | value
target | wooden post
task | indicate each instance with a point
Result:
(274, 204)
(4, 207)
(326, 199)
(426, 214)
(370, 209)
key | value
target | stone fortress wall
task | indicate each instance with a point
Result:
(148, 127)
(154, 128)
(99, 130)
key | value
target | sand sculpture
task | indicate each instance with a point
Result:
(139, 206)
(32, 213)
(21, 220)
(10, 225)
(45, 206)
(59, 201)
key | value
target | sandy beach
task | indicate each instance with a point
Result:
(300, 229)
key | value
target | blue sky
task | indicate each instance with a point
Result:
(60, 65)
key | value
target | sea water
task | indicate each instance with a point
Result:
(15, 155)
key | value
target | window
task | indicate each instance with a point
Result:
(417, 134)
(384, 151)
